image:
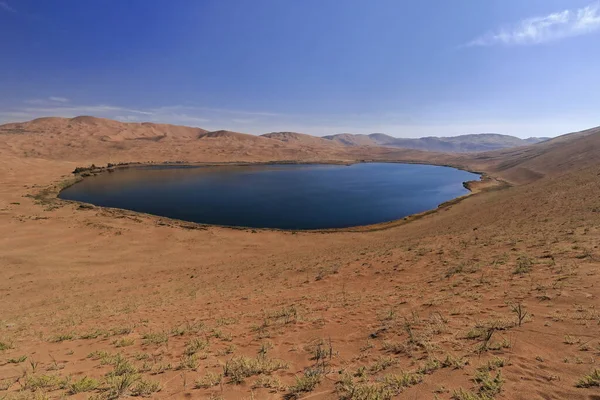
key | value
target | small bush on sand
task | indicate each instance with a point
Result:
(62, 337)
(84, 384)
(209, 380)
(5, 345)
(155, 338)
(145, 388)
(195, 345)
(118, 386)
(590, 380)
(524, 265)
(305, 383)
(268, 382)
(239, 368)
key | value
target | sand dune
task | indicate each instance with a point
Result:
(427, 308)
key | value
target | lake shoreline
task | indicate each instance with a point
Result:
(485, 183)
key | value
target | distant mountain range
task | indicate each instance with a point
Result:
(454, 144)
(110, 131)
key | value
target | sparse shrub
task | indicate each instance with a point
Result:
(493, 364)
(590, 380)
(455, 270)
(155, 338)
(118, 385)
(161, 368)
(141, 356)
(195, 345)
(570, 340)
(390, 315)
(84, 384)
(121, 366)
(226, 321)
(504, 344)
(321, 352)
(475, 333)
(178, 331)
(62, 337)
(5, 345)
(398, 382)
(462, 394)
(5, 384)
(382, 364)
(348, 389)
(122, 330)
(305, 383)
(262, 330)
(520, 312)
(93, 334)
(268, 382)
(453, 362)
(145, 388)
(123, 342)
(264, 348)
(394, 347)
(320, 275)
(486, 338)
(17, 360)
(42, 382)
(188, 362)
(209, 380)
(431, 365)
(524, 265)
(104, 356)
(239, 368)
(227, 350)
(286, 314)
(384, 389)
(224, 336)
(489, 385)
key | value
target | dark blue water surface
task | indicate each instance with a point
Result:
(276, 196)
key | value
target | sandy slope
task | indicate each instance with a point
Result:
(359, 308)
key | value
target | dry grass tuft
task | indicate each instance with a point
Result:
(239, 368)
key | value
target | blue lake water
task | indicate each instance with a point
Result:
(315, 196)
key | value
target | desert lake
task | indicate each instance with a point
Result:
(305, 196)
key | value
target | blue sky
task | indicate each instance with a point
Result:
(406, 68)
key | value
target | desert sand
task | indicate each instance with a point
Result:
(495, 296)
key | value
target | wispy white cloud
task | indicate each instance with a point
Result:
(543, 29)
(49, 101)
(199, 109)
(6, 7)
(58, 99)
(76, 110)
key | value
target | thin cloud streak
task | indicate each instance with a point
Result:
(4, 5)
(80, 110)
(543, 29)
(188, 108)
(58, 99)
(50, 100)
